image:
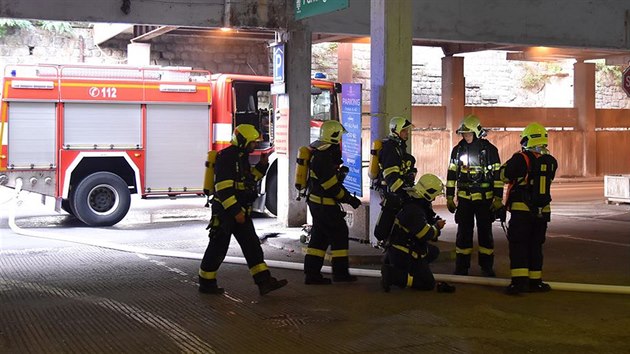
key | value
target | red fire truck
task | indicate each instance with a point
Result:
(91, 136)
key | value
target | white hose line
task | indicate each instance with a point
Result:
(579, 287)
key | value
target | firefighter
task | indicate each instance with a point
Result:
(529, 174)
(397, 172)
(235, 191)
(473, 176)
(409, 253)
(325, 195)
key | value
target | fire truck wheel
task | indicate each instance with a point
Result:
(271, 190)
(101, 199)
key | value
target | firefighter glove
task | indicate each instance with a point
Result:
(497, 204)
(240, 217)
(450, 204)
(354, 202)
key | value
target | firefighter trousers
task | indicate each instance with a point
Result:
(467, 213)
(246, 237)
(410, 268)
(526, 236)
(329, 229)
(390, 206)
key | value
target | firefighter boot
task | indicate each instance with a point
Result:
(537, 286)
(462, 263)
(340, 270)
(209, 287)
(316, 279)
(386, 276)
(270, 284)
(312, 271)
(517, 286)
(486, 262)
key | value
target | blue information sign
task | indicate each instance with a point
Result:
(351, 142)
(278, 63)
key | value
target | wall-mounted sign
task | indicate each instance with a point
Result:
(351, 142)
(308, 8)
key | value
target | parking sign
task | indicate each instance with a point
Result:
(278, 63)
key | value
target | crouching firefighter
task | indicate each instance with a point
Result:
(529, 174)
(396, 172)
(235, 189)
(406, 262)
(325, 195)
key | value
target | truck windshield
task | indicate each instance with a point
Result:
(321, 105)
(253, 105)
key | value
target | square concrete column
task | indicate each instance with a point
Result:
(391, 44)
(344, 62)
(584, 102)
(298, 85)
(453, 93)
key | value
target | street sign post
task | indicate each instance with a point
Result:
(625, 81)
(308, 8)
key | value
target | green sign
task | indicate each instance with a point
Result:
(308, 8)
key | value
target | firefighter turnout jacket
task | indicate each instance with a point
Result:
(235, 181)
(397, 167)
(474, 170)
(325, 179)
(409, 253)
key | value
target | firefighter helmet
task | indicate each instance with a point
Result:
(534, 135)
(397, 124)
(244, 134)
(429, 186)
(331, 132)
(471, 124)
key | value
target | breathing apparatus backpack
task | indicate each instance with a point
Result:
(374, 168)
(208, 180)
(541, 170)
(302, 170)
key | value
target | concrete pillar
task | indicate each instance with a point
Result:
(344, 62)
(291, 212)
(390, 29)
(584, 101)
(453, 93)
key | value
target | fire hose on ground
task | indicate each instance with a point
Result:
(579, 287)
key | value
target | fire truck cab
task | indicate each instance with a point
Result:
(91, 136)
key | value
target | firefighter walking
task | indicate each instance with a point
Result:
(396, 173)
(409, 253)
(235, 191)
(473, 176)
(325, 193)
(529, 174)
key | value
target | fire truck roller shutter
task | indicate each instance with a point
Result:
(177, 145)
(101, 199)
(31, 134)
(102, 125)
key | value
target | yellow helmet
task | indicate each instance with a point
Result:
(397, 124)
(244, 134)
(471, 124)
(429, 186)
(534, 135)
(331, 132)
